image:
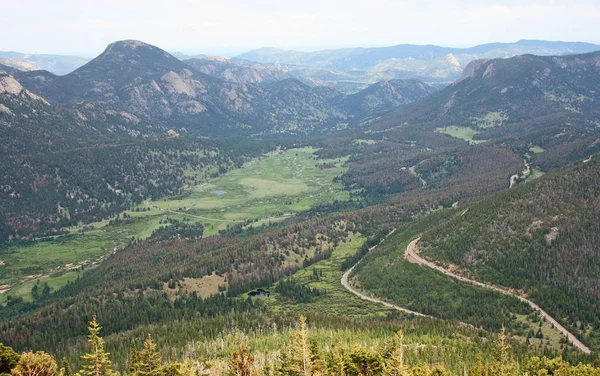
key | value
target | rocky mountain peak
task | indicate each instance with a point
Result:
(125, 54)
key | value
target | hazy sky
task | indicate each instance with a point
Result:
(234, 26)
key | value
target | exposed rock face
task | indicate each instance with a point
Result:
(9, 85)
(18, 64)
(238, 72)
(470, 69)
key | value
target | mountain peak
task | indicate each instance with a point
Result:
(134, 47)
(128, 43)
(131, 56)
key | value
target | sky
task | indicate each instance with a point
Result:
(230, 27)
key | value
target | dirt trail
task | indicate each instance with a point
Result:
(198, 216)
(412, 256)
(375, 300)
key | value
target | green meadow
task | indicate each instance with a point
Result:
(268, 189)
(464, 133)
(326, 276)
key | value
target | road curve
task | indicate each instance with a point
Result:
(413, 256)
(375, 300)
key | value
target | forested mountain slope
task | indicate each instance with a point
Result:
(32, 124)
(540, 238)
(386, 95)
(524, 101)
(61, 165)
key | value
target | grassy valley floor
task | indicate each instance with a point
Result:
(268, 189)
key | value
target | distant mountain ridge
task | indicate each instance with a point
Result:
(524, 101)
(57, 64)
(160, 89)
(428, 62)
(360, 58)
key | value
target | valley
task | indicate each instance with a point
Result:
(411, 210)
(266, 190)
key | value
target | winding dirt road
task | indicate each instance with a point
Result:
(413, 256)
(375, 300)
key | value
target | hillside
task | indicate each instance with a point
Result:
(31, 123)
(522, 102)
(63, 164)
(187, 238)
(235, 71)
(539, 238)
(386, 95)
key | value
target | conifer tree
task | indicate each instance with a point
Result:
(504, 364)
(337, 364)
(65, 368)
(396, 366)
(296, 360)
(241, 363)
(133, 356)
(149, 362)
(98, 363)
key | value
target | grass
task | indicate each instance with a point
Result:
(551, 336)
(337, 301)
(464, 133)
(536, 149)
(55, 281)
(266, 190)
(534, 174)
(282, 184)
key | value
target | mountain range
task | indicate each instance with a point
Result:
(160, 192)
(154, 86)
(348, 70)
(433, 64)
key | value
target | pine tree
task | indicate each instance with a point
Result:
(338, 360)
(303, 347)
(35, 293)
(65, 368)
(396, 366)
(149, 362)
(98, 363)
(241, 363)
(504, 364)
(296, 361)
(133, 356)
(316, 359)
